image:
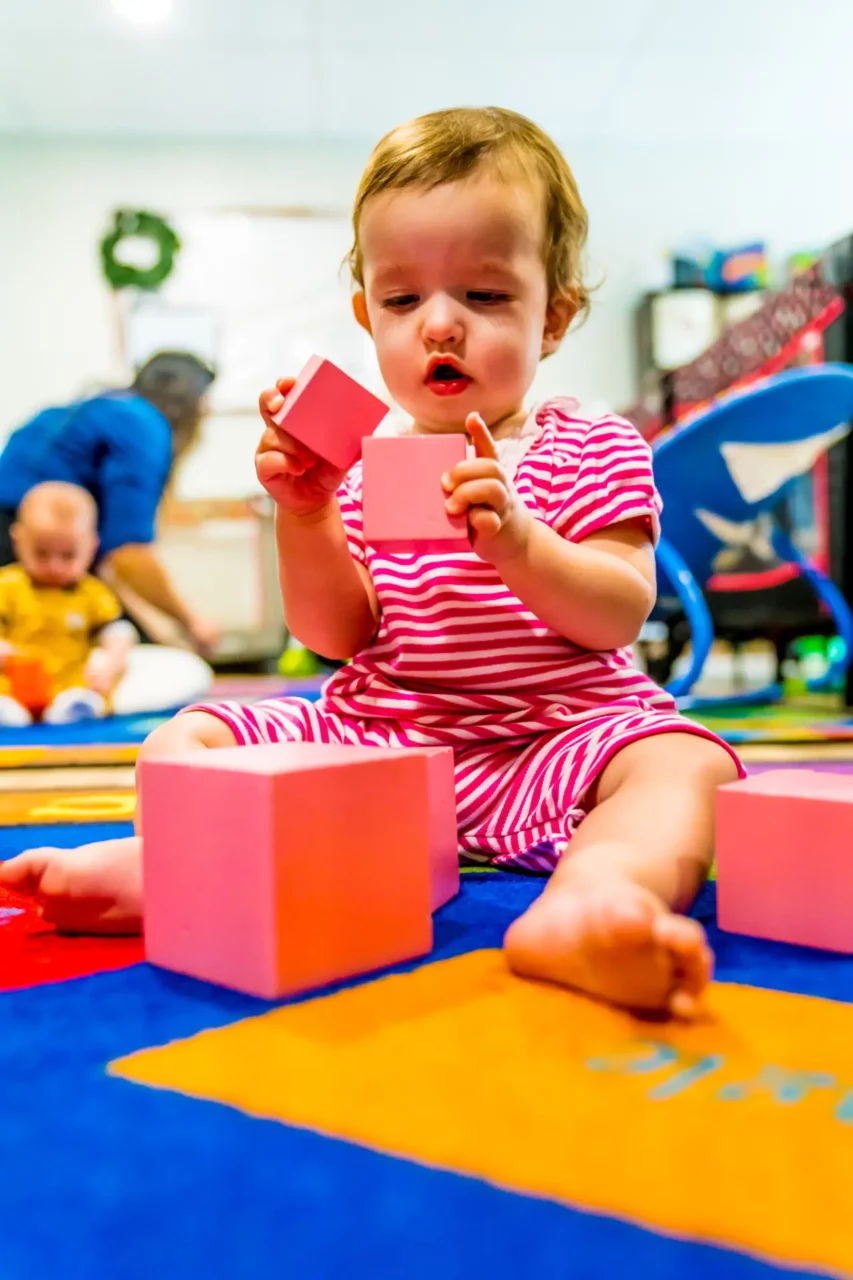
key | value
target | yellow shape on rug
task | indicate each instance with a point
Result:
(736, 1130)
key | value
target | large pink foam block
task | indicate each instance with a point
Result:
(276, 869)
(785, 858)
(330, 412)
(403, 498)
(443, 837)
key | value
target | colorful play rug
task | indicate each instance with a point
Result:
(806, 721)
(116, 739)
(446, 1119)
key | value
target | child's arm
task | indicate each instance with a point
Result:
(108, 660)
(329, 600)
(597, 593)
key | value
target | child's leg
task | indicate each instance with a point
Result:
(98, 888)
(12, 714)
(605, 922)
(73, 705)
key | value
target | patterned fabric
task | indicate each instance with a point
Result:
(459, 661)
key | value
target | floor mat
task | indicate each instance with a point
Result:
(448, 1120)
(116, 739)
(39, 808)
(31, 952)
(778, 724)
(73, 778)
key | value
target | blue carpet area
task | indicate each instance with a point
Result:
(100, 1178)
(112, 730)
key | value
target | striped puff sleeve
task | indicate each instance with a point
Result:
(602, 476)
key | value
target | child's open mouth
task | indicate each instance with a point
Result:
(446, 379)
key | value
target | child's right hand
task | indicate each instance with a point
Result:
(296, 478)
(6, 650)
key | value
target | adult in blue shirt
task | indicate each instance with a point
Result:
(122, 447)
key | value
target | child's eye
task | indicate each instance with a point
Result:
(401, 300)
(487, 297)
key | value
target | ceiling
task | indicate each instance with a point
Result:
(629, 70)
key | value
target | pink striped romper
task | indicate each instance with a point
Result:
(459, 661)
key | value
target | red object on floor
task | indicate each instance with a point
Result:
(32, 952)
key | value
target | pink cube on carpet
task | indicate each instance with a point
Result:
(785, 858)
(330, 412)
(403, 499)
(443, 835)
(275, 869)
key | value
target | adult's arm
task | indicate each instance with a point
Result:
(138, 566)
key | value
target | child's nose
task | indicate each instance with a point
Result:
(441, 321)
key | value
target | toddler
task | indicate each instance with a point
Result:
(468, 238)
(52, 609)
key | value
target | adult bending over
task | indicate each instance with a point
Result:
(122, 447)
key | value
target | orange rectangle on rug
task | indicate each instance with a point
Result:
(736, 1130)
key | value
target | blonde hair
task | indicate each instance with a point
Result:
(446, 146)
(59, 503)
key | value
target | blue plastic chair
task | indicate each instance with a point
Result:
(697, 479)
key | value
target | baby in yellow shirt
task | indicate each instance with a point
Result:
(54, 610)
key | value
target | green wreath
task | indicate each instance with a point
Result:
(128, 223)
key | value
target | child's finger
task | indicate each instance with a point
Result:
(272, 463)
(477, 493)
(484, 521)
(24, 873)
(290, 445)
(272, 399)
(481, 436)
(275, 440)
(472, 469)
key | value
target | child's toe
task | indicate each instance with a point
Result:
(24, 873)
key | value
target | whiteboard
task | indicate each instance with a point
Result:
(256, 293)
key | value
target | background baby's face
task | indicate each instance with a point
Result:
(55, 553)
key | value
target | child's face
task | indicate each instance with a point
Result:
(457, 272)
(54, 554)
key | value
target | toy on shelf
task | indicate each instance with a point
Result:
(282, 868)
(402, 496)
(784, 861)
(330, 412)
(29, 682)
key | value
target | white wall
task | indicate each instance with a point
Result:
(57, 326)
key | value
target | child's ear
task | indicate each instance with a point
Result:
(15, 535)
(561, 311)
(359, 310)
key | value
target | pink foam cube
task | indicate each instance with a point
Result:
(330, 412)
(403, 499)
(276, 869)
(785, 858)
(443, 836)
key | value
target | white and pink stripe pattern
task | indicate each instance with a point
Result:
(459, 661)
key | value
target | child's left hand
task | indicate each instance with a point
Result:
(499, 520)
(102, 672)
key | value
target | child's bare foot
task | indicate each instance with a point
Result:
(615, 940)
(94, 889)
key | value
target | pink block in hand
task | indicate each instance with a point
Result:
(785, 858)
(330, 412)
(403, 499)
(275, 869)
